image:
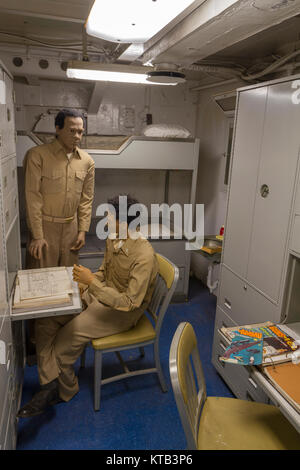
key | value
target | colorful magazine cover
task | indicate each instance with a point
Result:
(246, 348)
(275, 344)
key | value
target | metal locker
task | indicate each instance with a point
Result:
(275, 189)
(242, 192)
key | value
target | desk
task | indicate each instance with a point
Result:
(75, 307)
(286, 409)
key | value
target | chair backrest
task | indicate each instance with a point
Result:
(164, 289)
(187, 380)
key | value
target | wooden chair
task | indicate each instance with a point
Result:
(218, 423)
(139, 336)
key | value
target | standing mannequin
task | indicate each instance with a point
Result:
(59, 191)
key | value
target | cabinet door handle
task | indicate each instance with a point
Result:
(264, 190)
(254, 384)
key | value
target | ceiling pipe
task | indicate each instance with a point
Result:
(214, 85)
(271, 68)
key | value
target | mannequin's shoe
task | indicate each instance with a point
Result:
(47, 396)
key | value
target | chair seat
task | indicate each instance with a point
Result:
(143, 331)
(233, 424)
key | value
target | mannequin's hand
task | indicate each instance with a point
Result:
(82, 274)
(80, 242)
(36, 247)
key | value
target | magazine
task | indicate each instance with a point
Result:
(244, 351)
(276, 344)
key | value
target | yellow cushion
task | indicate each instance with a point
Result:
(232, 424)
(143, 331)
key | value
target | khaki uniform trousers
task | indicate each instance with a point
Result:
(61, 340)
(60, 238)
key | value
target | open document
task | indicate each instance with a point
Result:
(39, 287)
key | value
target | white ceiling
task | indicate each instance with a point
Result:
(241, 31)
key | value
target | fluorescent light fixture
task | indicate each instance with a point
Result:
(110, 73)
(132, 21)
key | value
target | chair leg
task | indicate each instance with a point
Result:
(142, 352)
(97, 379)
(159, 369)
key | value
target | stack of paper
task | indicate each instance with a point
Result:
(42, 288)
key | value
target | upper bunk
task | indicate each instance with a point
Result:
(127, 152)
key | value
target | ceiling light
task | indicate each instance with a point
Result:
(166, 77)
(132, 21)
(166, 74)
(110, 73)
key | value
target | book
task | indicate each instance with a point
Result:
(277, 344)
(44, 282)
(40, 302)
(44, 288)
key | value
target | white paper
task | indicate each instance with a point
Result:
(46, 282)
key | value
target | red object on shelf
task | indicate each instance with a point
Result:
(222, 230)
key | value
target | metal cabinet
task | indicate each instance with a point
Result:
(263, 217)
(263, 176)
(274, 191)
(242, 302)
(11, 337)
(245, 165)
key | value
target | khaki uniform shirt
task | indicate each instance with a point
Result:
(57, 186)
(127, 276)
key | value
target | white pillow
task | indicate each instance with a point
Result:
(166, 130)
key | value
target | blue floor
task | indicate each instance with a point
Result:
(134, 414)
